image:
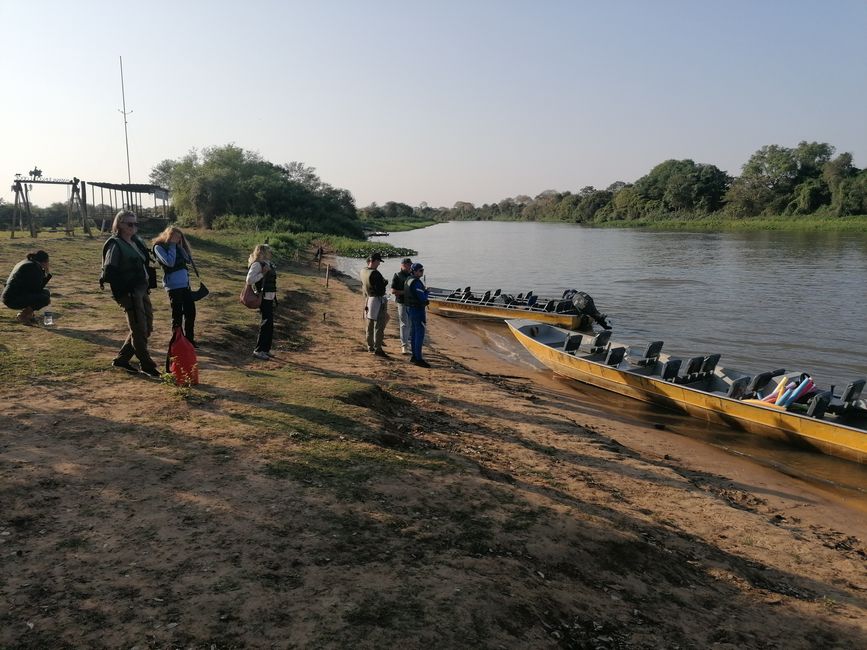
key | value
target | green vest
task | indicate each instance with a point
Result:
(410, 299)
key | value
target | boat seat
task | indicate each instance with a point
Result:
(496, 293)
(615, 356)
(739, 388)
(486, 297)
(670, 369)
(529, 295)
(850, 395)
(572, 343)
(519, 297)
(819, 405)
(531, 300)
(600, 342)
(761, 380)
(708, 365)
(651, 354)
(550, 306)
(692, 371)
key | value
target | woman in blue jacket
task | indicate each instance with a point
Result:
(173, 253)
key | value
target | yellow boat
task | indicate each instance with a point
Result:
(574, 310)
(835, 425)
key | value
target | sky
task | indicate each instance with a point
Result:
(435, 102)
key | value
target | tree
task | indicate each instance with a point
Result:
(230, 181)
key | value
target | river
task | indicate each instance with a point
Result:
(768, 300)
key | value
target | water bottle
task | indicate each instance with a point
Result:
(48, 318)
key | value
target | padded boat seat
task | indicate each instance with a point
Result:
(531, 300)
(708, 365)
(615, 356)
(761, 380)
(600, 342)
(670, 369)
(572, 343)
(819, 405)
(850, 395)
(691, 373)
(550, 306)
(739, 388)
(651, 354)
(486, 297)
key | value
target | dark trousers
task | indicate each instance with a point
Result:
(266, 326)
(417, 325)
(183, 311)
(36, 300)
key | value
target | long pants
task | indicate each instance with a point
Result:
(183, 311)
(266, 326)
(418, 324)
(376, 329)
(403, 318)
(36, 300)
(140, 319)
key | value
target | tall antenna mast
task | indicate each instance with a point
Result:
(125, 113)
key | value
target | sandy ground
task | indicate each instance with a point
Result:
(128, 521)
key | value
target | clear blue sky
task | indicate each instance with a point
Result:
(411, 101)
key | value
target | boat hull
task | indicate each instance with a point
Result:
(474, 310)
(833, 438)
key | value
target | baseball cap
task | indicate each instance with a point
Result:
(417, 267)
(375, 257)
(406, 260)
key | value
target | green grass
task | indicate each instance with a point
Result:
(753, 224)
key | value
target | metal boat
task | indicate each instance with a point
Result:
(819, 419)
(574, 310)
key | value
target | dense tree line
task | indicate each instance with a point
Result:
(805, 180)
(230, 187)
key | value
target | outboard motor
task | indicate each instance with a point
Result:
(585, 305)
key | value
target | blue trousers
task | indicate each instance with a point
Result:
(417, 324)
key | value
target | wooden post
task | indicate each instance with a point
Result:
(327, 273)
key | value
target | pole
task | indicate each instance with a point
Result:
(124, 112)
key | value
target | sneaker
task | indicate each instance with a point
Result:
(405, 350)
(261, 355)
(381, 353)
(125, 365)
(421, 363)
(152, 372)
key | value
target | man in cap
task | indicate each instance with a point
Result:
(416, 299)
(398, 283)
(373, 287)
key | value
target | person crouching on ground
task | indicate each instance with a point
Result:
(173, 253)
(125, 270)
(373, 287)
(262, 276)
(416, 299)
(25, 288)
(398, 284)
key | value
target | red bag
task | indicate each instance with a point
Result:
(249, 298)
(181, 361)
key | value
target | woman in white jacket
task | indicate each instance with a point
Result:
(262, 276)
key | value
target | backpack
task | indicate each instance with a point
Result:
(181, 361)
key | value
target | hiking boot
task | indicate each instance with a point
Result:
(264, 356)
(125, 365)
(25, 317)
(421, 363)
(152, 372)
(381, 353)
